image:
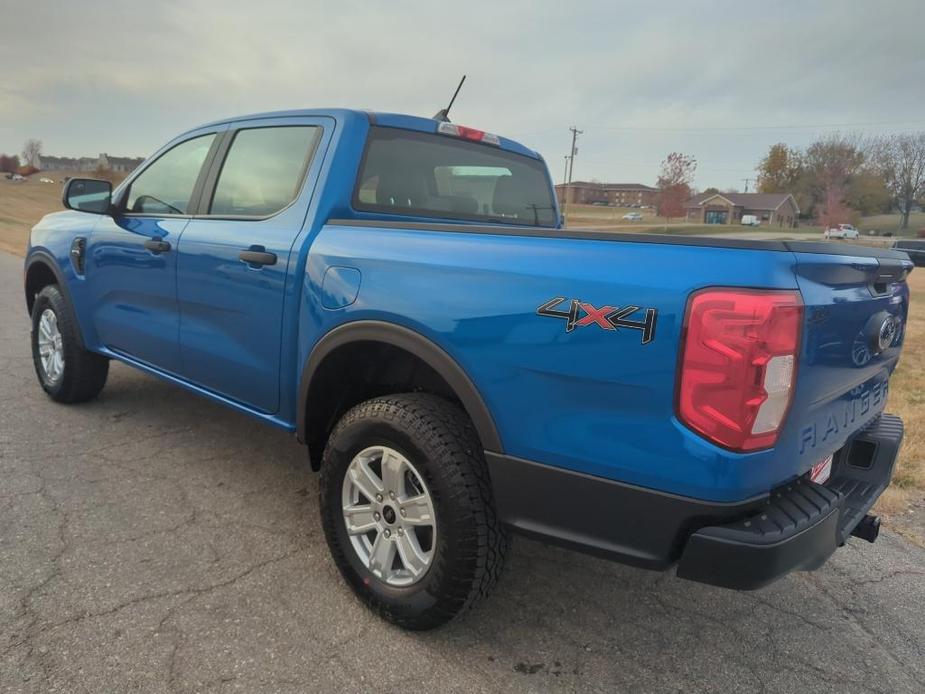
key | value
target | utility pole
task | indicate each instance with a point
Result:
(747, 181)
(570, 165)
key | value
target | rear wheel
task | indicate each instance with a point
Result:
(66, 371)
(407, 509)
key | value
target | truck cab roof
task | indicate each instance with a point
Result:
(381, 118)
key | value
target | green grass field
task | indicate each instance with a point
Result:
(611, 218)
(890, 222)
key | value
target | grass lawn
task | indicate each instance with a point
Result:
(22, 205)
(890, 222)
(907, 399)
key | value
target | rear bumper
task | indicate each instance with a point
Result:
(802, 523)
(742, 545)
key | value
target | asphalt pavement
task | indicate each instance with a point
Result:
(153, 541)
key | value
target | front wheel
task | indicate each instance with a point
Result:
(407, 509)
(66, 371)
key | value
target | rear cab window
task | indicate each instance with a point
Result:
(430, 175)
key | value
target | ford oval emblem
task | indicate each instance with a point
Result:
(881, 331)
(887, 333)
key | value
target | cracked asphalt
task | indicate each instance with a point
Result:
(152, 541)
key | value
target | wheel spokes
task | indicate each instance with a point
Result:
(360, 519)
(382, 555)
(417, 511)
(411, 554)
(50, 347)
(365, 480)
(392, 469)
(388, 511)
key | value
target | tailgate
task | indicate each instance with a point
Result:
(856, 303)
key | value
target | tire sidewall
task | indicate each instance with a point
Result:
(447, 563)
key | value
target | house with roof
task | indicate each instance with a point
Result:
(103, 161)
(771, 209)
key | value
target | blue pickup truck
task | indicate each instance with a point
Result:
(399, 293)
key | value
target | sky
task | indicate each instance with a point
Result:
(720, 81)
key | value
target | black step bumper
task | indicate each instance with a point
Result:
(740, 545)
(802, 523)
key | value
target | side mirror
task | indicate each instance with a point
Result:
(88, 195)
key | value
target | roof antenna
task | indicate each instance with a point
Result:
(442, 114)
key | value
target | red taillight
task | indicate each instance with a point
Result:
(738, 363)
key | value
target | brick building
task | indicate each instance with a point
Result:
(771, 209)
(116, 164)
(613, 194)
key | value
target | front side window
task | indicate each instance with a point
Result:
(166, 186)
(428, 175)
(264, 170)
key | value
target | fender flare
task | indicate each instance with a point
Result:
(414, 343)
(46, 259)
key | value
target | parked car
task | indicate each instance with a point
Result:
(750, 220)
(323, 271)
(632, 217)
(16, 177)
(45, 180)
(914, 248)
(841, 231)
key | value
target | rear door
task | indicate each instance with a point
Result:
(233, 257)
(132, 255)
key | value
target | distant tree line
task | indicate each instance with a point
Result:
(843, 176)
(28, 164)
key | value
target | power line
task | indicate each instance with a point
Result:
(743, 128)
(723, 128)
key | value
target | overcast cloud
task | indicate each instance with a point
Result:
(718, 80)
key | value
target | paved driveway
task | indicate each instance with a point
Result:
(153, 541)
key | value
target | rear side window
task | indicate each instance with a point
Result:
(264, 170)
(166, 186)
(430, 175)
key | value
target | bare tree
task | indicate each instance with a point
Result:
(31, 153)
(901, 161)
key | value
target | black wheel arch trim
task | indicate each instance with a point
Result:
(418, 345)
(46, 259)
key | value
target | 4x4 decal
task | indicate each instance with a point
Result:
(581, 314)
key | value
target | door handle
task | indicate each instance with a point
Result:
(157, 246)
(252, 257)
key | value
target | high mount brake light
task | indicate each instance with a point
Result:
(467, 133)
(738, 364)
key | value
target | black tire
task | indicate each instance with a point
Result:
(469, 550)
(84, 373)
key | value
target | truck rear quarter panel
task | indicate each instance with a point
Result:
(590, 400)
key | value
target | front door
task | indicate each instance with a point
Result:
(716, 216)
(233, 258)
(132, 259)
